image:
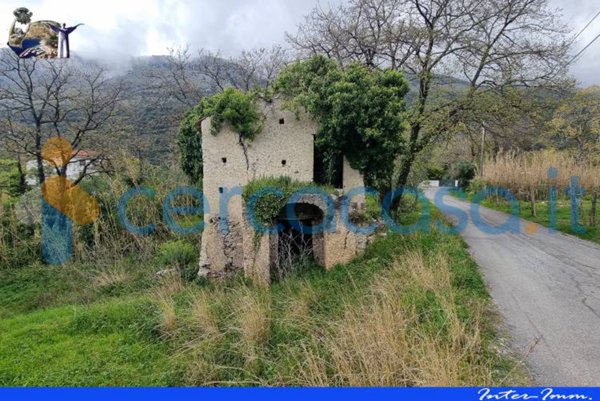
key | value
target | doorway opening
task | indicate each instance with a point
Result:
(297, 246)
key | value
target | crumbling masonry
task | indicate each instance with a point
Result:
(285, 147)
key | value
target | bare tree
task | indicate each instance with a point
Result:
(259, 67)
(173, 84)
(153, 106)
(256, 68)
(186, 79)
(214, 67)
(488, 44)
(179, 79)
(46, 98)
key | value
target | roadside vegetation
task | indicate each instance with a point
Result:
(530, 178)
(563, 215)
(413, 310)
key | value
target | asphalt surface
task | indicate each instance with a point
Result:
(546, 285)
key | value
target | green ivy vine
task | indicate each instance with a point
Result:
(233, 107)
(361, 113)
(269, 204)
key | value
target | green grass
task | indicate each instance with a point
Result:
(58, 328)
(108, 344)
(563, 215)
(39, 286)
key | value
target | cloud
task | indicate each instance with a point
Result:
(118, 28)
(115, 30)
(577, 13)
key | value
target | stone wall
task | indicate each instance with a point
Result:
(342, 245)
(352, 180)
(257, 255)
(285, 145)
(283, 148)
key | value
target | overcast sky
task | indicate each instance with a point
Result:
(117, 29)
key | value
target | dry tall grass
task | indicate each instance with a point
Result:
(3, 230)
(254, 320)
(17, 246)
(202, 316)
(109, 276)
(168, 314)
(170, 285)
(106, 240)
(107, 236)
(527, 175)
(405, 330)
(386, 342)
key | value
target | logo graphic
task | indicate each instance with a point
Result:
(41, 39)
(63, 204)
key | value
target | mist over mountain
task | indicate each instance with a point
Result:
(153, 99)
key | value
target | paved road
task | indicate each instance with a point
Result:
(547, 287)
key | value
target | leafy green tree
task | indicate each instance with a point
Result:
(361, 113)
(189, 141)
(475, 46)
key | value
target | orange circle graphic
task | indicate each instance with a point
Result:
(57, 151)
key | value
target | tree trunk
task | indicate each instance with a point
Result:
(581, 207)
(415, 128)
(38, 155)
(40, 169)
(533, 202)
(22, 175)
(402, 180)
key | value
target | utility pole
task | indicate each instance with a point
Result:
(482, 150)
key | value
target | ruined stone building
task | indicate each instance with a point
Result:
(285, 147)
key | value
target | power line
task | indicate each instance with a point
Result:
(586, 27)
(584, 49)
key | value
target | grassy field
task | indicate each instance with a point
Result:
(563, 216)
(412, 311)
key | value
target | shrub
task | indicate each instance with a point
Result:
(267, 206)
(10, 179)
(464, 172)
(477, 185)
(361, 113)
(435, 173)
(177, 254)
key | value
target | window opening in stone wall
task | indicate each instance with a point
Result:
(331, 173)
